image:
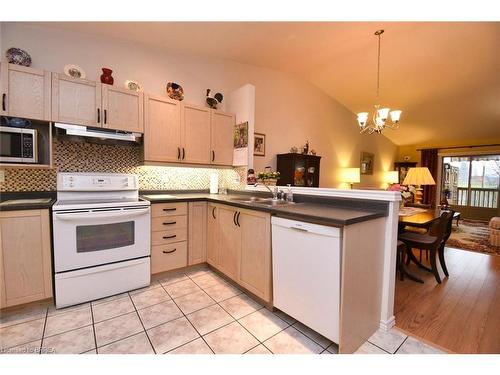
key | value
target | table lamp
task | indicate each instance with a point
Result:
(419, 176)
(391, 177)
(350, 176)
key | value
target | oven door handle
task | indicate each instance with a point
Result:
(95, 215)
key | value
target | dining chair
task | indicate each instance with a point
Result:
(431, 242)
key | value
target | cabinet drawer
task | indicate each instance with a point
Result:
(168, 209)
(168, 236)
(168, 257)
(163, 223)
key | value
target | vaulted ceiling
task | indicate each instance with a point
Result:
(445, 76)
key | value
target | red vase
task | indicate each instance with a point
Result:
(106, 76)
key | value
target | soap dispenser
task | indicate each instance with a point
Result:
(289, 194)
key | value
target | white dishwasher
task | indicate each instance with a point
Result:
(306, 274)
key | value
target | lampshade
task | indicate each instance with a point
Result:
(362, 118)
(383, 113)
(391, 177)
(395, 115)
(350, 175)
(419, 176)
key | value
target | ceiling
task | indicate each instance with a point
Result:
(445, 76)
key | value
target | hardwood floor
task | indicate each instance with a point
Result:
(463, 313)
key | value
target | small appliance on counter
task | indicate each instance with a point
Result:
(102, 236)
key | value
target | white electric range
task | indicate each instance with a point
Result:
(101, 237)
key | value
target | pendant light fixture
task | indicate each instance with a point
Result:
(380, 116)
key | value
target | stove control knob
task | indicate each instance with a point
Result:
(125, 182)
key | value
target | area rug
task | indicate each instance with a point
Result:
(472, 235)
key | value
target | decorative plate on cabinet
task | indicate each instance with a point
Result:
(132, 85)
(175, 91)
(74, 71)
(18, 56)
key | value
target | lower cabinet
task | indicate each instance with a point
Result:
(169, 234)
(25, 257)
(197, 237)
(239, 245)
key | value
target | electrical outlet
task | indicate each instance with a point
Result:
(2, 176)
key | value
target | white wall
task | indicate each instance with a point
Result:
(287, 109)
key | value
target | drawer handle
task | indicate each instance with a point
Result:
(170, 223)
(169, 237)
(170, 251)
(169, 209)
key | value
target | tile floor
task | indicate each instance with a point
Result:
(196, 312)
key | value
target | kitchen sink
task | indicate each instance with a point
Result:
(248, 199)
(258, 200)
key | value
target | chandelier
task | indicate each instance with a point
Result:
(380, 116)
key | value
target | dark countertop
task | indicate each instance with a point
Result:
(318, 213)
(27, 205)
(327, 212)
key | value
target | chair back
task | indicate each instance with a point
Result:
(449, 225)
(442, 226)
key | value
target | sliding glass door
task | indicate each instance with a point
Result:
(472, 185)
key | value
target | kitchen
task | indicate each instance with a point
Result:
(101, 218)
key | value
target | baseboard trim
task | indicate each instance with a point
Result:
(386, 325)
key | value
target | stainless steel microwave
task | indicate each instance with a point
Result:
(18, 145)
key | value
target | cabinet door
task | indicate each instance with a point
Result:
(25, 92)
(255, 259)
(162, 129)
(197, 232)
(76, 101)
(222, 138)
(122, 109)
(212, 235)
(196, 134)
(229, 242)
(25, 258)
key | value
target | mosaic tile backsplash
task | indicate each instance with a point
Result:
(70, 156)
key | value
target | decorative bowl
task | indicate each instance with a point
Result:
(18, 56)
(132, 85)
(175, 91)
(74, 71)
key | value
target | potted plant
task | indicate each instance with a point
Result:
(268, 177)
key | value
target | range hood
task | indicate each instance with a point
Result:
(84, 131)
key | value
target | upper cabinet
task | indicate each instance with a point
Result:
(122, 109)
(75, 101)
(184, 133)
(196, 134)
(162, 130)
(83, 102)
(222, 138)
(25, 92)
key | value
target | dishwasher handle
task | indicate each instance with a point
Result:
(304, 227)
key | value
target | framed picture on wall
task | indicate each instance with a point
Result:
(402, 168)
(259, 145)
(367, 160)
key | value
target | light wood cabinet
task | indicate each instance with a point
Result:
(169, 235)
(178, 132)
(222, 131)
(122, 109)
(255, 258)
(197, 238)
(239, 245)
(25, 257)
(196, 134)
(83, 102)
(229, 242)
(212, 235)
(162, 129)
(76, 101)
(25, 92)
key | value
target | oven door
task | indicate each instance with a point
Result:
(86, 238)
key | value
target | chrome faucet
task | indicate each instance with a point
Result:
(273, 192)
